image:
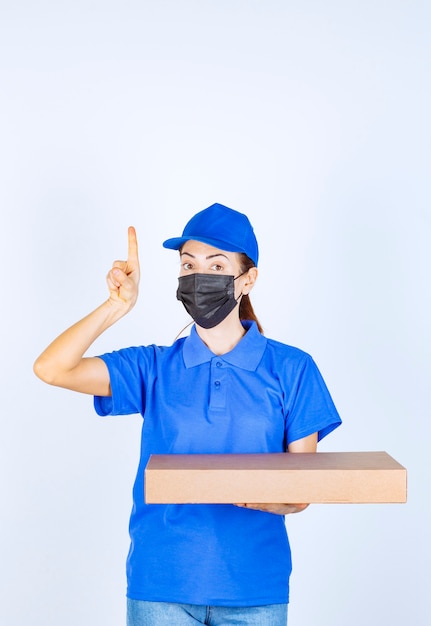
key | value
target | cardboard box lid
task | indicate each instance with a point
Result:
(323, 477)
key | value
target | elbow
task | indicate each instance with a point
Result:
(43, 371)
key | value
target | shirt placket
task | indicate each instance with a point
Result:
(218, 384)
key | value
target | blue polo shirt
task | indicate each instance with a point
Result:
(257, 398)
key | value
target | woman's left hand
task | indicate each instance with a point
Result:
(307, 444)
(277, 509)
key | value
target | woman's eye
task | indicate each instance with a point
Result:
(218, 268)
(187, 266)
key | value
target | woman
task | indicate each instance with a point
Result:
(223, 389)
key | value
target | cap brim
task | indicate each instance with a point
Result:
(177, 242)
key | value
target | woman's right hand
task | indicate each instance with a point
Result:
(123, 277)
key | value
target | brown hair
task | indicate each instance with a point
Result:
(246, 311)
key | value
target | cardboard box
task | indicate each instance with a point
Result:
(323, 477)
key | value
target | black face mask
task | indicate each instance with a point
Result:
(207, 298)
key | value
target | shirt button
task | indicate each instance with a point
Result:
(217, 383)
(218, 363)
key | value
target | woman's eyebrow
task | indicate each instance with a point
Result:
(210, 256)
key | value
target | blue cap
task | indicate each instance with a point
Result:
(222, 228)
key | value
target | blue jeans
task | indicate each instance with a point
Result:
(140, 613)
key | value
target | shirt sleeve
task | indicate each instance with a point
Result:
(128, 372)
(310, 407)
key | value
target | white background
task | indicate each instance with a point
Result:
(311, 117)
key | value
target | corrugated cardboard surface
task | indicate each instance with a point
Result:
(324, 477)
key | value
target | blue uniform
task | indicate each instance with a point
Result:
(257, 398)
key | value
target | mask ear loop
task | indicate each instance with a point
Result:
(239, 276)
(182, 330)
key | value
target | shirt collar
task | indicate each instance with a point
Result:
(246, 354)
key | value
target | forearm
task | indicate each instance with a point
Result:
(66, 352)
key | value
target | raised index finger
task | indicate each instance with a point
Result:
(132, 254)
